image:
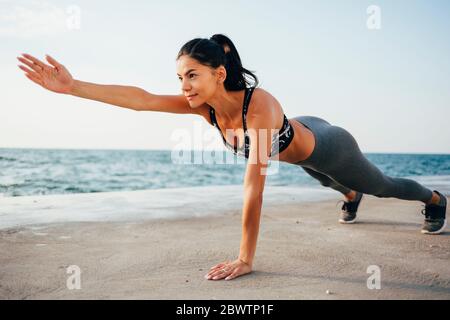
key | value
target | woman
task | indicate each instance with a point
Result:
(214, 86)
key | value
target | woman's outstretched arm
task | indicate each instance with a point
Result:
(55, 77)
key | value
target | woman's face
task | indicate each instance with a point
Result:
(198, 80)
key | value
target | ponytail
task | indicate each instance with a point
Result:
(220, 50)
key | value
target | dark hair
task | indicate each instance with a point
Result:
(216, 51)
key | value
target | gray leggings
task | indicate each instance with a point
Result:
(338, 163)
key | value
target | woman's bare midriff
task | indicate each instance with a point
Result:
(301, 147)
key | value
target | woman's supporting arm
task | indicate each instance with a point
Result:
(254, 181)
(260, 132)
(251, 217)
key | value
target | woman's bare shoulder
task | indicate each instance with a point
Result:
(265, 105)
(263, 102)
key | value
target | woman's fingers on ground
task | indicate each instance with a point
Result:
(219, 274)
(213, 272)
(232, 275)
(218, 265)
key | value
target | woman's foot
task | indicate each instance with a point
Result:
(435, 216)
(349, 208)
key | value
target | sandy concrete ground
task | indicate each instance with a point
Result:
(302, 252)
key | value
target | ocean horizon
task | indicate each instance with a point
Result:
(32, 171)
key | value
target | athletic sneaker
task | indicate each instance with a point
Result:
(349, 209)
(435, 220)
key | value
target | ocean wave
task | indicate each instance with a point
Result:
(7, 182)
(83, 171)
(7, 159)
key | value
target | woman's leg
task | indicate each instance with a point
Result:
(327, 181)
(348, 214)
(358, 173)
(355, 171)
(337, 155)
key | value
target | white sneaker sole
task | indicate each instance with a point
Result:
(348, 221)
(436, 232)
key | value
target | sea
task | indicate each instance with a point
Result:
(29, 172)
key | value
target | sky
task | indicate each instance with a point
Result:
(379, 69)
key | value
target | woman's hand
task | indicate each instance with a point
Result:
(228, 270)
(54, 77)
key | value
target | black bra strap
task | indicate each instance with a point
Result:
(247, 97)
(212, 116)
